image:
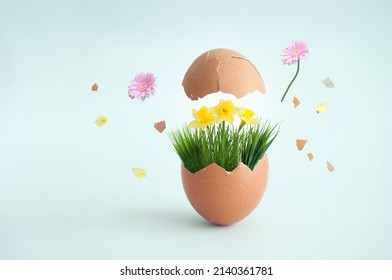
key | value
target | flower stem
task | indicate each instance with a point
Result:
(241, 126)
(292, 81)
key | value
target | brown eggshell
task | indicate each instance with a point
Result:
(222, 70)
(94, 87)
(160, 126)
(222, 197)
(330, 167)
(301, 143)
(296, 102)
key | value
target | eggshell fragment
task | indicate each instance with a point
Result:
(160, 126)
(296, 102)
(301, 144)
(328, 83)
(222, 197)
(94, 87)
(330, 167)
(310, 156)
(222, 70)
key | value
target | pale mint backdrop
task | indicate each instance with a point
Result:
(67, 190)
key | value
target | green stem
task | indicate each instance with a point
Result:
(241, 126)
(292, 81)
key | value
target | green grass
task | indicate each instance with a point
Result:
(223, 144)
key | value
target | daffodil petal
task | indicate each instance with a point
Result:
(139, 172)
(252, 121)
(101, 121)
(194, 124)
(322, 108)
(194, 113)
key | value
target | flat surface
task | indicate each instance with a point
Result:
(67, 190)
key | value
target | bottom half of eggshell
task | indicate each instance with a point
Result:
(222, 197)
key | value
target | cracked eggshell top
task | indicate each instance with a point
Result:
(222, 70)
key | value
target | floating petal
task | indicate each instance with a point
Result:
(139, 172)
(296, 102)
(330, 167)
(94, 87)
(160, 126)
(101, 121)
(322, 108)
(310, 156)
(301, 144)
(328, 82)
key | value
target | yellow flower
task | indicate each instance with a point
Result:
(101, 121)
(247, 116)
(225, 111)
(203, 117)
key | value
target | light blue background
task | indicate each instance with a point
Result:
(66, 186)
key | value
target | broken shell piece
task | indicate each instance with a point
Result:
(310, 156)
(296, 102)
(328, 83)
(160, 126)
(222, 70)
(301, 144)
(139, 172)
(330, 167)
(322, 108)
(94, 87)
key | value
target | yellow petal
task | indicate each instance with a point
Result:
(322, 108)
(195, 124)
(139, 172)
(248, 116)
(194, 113)
(101, 121)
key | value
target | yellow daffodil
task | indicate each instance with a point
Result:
(225, 111)
(203, 117)
(101, 121)
(247, 116)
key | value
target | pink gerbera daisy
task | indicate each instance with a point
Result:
(295, 51)
(142, 86)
